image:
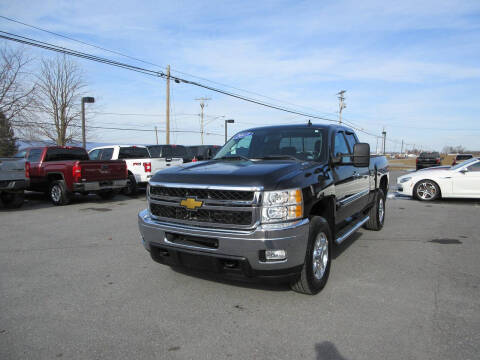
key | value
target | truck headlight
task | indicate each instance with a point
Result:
(405, 179)
(282, 205)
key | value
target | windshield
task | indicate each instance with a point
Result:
(177, 151)
(295, 143)
(462, 164)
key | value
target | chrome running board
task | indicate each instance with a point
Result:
(351, 229)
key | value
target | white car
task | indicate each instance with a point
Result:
(459, 181)
(140, 165)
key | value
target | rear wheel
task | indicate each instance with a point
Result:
(12, 200)
(58, 193)
(316, 269)
(377, 212)
(426, 190)
(131, 187)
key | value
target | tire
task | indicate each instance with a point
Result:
(131, 188)
(107, 194)
(314, 275)
(376, 212)
(426, 190)
(58, 193)
(12, 200)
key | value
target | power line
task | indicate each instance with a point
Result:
(150, 63)
(67, 51)
(15, 122)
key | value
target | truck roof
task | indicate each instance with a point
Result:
(301, 126)
(110, 146)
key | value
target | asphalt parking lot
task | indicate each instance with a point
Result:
(76, 283)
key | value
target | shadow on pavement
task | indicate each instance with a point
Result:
(37, 201)
(339, 249)
(251, 283)
(328, 351)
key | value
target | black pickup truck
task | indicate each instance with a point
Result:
(272, 203)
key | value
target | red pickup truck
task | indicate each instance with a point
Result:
(61, 171)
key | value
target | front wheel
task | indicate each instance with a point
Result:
(12, 200)
(426, 190)
(376, 212)
(316, 268)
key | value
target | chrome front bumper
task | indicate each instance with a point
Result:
(241, 244)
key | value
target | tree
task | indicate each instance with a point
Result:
(60, 88)
(17, 90)
(8, 145)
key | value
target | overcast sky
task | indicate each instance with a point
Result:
(411, 66)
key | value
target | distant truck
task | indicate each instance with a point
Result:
(12, 182)
(171, 152)
(61, 171)
(141, 166)
(428, 159)
(204, 152)
(272, 203)
(461, 158)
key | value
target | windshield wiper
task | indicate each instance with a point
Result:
(233, 157)
(278, 157)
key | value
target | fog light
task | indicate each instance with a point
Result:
(275, 255)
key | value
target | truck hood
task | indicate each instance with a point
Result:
(270, 175)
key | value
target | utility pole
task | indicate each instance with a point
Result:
(341, 104)
(156, 134)
(401, 152)
(376, 147)
(89, 100)
(384, 134)
(202, 106)
(167, 130)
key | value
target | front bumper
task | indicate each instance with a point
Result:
(236, 251)
(99, 185)
(405, 188)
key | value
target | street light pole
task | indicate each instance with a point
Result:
(86, 99)
(227, 121)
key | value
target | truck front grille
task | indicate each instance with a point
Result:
(206, 194)
(202, 215)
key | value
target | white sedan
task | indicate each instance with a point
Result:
(459, 181)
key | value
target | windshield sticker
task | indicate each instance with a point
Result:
(242, 135)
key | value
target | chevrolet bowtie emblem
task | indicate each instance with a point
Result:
(191, 203)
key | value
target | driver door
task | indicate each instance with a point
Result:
(466, 183)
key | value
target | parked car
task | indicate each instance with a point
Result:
(204, 152)
(61, 171)
(428, 159)
(140, 165)
(12, 181)
(171, 152)
(272, 203)
(461, 157)
(459, 181)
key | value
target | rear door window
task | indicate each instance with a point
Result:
(35, 155)
(106, 154)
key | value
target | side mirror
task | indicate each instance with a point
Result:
(361, 155)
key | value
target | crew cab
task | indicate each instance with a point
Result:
(139, 163)
(61, 171)
(12, 182)
(272, 203)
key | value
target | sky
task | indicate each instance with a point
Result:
(411, 67)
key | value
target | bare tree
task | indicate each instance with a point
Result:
(17, 90)
(60, 88)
